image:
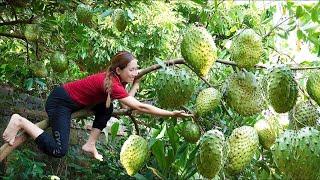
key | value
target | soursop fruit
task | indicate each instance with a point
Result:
(296, 153)
(243, 94)
(199, 50)
(85, 15)
(190, 131)
(120, 20)
(174, 88)
(242, 144)
(303, 114)
(32, 32)
(313, 84)
(268, 130)
(59, 62)
(134, 153)
(246, 48)
(282, 89)
(210, 156)
(207, 100)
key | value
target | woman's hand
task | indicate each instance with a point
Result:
(181, 114)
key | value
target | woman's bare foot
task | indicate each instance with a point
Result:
(12, 129)
(91, 148)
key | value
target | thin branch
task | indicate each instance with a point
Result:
(305, 68)
(133, 119)
(202, 78)
(19, 21)
(281, 53)
(276, 26)
(18, 36)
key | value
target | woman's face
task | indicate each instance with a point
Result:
(130, 72)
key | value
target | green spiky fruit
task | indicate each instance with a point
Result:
(246, 49)
(282, 89)
(296, 153)
(199, 49)
(134, 153)
(243, 94)
(207, 100)
(32, 32)
(243, 144)
(268, 130)
(313, 85)
(190, 131)
(174, 88)
(210, 156)
(120, 19)
(303, 114)
(39, 70)
(59, 62)
(84, 15)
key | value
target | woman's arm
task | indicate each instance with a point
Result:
(134, 88)
(147, 108)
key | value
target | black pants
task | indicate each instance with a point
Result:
(59, 107)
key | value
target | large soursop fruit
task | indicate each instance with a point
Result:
(313, 85)
(134, 153)
(282, 90)
(59, 62)
(207, 100)
(190, 131)
(242, 144)
(119, 18)
(243, 94)
(199, 49)
(303, 114)
(85, 15)
(174, 88)
(32, 32)
(210, 156)
(268, 130)
(296, 154)
(246, 49)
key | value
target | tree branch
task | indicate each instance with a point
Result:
(19, 21)
(276, 26)
(18, 36)
(135, 124)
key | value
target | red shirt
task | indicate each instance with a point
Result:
(90, 90)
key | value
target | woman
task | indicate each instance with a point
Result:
(97, 90)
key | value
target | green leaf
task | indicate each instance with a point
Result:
(173, 138)
(106, 13)
(315, 15)
(114, 129)
(140, 177)
(158, 151)
(300, 34)
(162, 133)
(40, 82)
(299, 12)
(28, 84)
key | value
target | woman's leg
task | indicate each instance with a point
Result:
(18, 122)
(102, 115)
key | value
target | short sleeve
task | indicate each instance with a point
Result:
(118, 91)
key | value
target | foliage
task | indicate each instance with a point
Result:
(154, 32)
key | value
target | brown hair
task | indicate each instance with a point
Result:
(119, 60)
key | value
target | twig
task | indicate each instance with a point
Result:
(13, 36)
(19, 21)
(202, 78)
(281, 53)
(135, 123)
(276, 26)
